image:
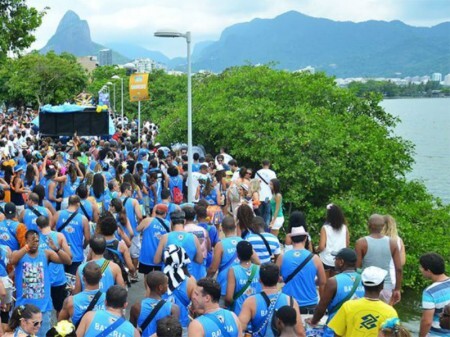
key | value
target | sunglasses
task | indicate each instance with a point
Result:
(36, 323)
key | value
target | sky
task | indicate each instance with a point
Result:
(136, 21)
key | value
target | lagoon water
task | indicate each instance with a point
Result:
(426, 122)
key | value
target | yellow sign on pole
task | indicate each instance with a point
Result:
(139, 87)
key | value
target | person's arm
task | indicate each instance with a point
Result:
(137, 210)
(21, 216)
(79, 173)
(95, 211)
(199, 254)
(402, 253)
(247, 311)
(117, 273)
(50, 207)
(231, 286)
(195, 329)
(126, 256)
(360, 247)
(158, 255)
(57, 255)
(396, 294)
(322, 240)
(54, 221)
(347, 236)
(124, 236)
(325, 300)
(321, 276)
(277, 208)
(65, 313)
(217, 258)
(86, 232)
(63, 244)
(18, 254)
(425, 322)
(134, 313)
(208, 240)
(18, 186)
(77, 288)
(144, 224)
(175, 311)
(51, 193)
(85, 323)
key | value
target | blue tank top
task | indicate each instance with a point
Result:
(131, 214)
(150, 240)
(229, 259)
(3, 260)
(107, 279)
(8, 230)
(302, 287)
(147, 306)
(262, 312)
(32, 278)
(155, 199)
(187, 241)
(57, 274)
(241, 276)
(211, 327)
(70, 186)
(74, 234)
(179, 296)
(29, 217)
(103, 201)
(211, 198)
(171, 208)
(103, 319)
(47, 196)
(81, 302)
(88, 208)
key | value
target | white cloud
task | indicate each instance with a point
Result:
(137, 20)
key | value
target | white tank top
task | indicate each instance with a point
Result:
(336, 240)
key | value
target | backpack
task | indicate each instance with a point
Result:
(112, 254)
(177, 195)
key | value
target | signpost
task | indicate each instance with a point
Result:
(138, 93)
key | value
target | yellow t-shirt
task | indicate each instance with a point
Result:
(361, 318)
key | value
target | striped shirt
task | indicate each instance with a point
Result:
(261, 249)
(436, 297)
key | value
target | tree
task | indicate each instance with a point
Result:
(18, 21)
(326, 145)
(42, 79)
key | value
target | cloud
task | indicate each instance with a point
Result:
(136, 20)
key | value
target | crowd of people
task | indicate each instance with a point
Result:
(82, 219)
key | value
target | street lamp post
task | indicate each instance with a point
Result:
(187, 36)
(115, 77)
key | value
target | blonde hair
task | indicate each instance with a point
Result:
(390, 227)
(255, 186)
(89, 179)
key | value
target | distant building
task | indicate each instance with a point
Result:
(436, 77)
(447, 80)
(307, 69)
(88, 62)
(104, 57)
(144, 65)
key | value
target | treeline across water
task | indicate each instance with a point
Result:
(390, 89)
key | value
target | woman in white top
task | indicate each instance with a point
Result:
(390, 229)
(334, 236)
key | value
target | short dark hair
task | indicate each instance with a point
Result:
(92, 273)
(244, 250)
(265, 162)
(269, 273)
(154, 279)
(196, 156)
(165, 193)
(210, 287)
(42, 221)
(34, 198)
(98, 244)
(299, 238)
(116, 297)
(82, 191)
(189, 213)
(107, 224)
(287, 315)
(177, 217)
(433, 262)
(168, 327)
(74, 199)
(228, 224)
(201, 212)
(31, 232)
(124, 187)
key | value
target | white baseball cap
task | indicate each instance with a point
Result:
(373, 276)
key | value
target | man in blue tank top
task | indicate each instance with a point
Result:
(75, 306)
(157, 283)
(88, 207)
(378, 250)
(214, 321)
(339, 288)
(301, 283)
(258, 309)
(10, 227)
(32, 275)
(225, 255)
(188, 241)
(32, 211)
(58, 276)
(152, 229)
(111, 319)
(111, 273)
(75, 228)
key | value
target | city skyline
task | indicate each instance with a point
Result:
(111, 21)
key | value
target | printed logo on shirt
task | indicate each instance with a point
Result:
(5, 237)
(297, 254)
(180, 237)
(69, 229)
(369, 322)
(33, 280)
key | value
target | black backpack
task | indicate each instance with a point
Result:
(112, 254)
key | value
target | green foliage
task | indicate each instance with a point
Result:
(41, 79)
(325, 143)
(18, 21)
(390, 89)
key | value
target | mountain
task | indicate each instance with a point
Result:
(73, 36)
(294, 41)
(133, 51)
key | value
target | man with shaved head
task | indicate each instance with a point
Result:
(377, 250)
